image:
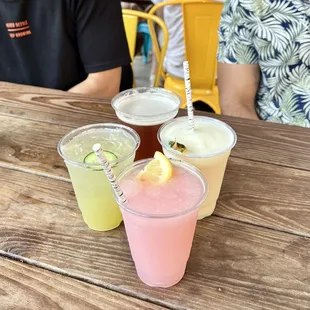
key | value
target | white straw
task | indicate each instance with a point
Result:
(188, 89)
(109, 173)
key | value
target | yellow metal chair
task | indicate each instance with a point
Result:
(130, 18)
(131, 25)
(200, 21)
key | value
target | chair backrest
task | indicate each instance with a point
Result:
(129, 26)
(200, 20)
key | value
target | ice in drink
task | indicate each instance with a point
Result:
(91, 186)
(207, 147)
(160, 220)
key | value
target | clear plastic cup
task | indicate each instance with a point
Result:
(211, 164)
(160, 240)
(146, 106)
(91, 186)
(146, 109)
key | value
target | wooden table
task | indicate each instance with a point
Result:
(253, 253)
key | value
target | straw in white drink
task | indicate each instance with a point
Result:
(109, 173)
(188, 88)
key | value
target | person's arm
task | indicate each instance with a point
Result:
(102, 45)
(238, 86)
(238, 69)
(101, 84)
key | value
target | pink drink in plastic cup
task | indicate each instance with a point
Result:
(160, 221)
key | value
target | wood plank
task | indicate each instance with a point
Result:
(53, 106)
(26, 287)
(257, 140)
(266, 195)
(31, 146)
(277, 144)
(252, 192)
(232, 263)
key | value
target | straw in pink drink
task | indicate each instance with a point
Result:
(160, 221)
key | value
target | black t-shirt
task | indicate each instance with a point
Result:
(57, 43)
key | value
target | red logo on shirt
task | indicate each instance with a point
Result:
(18, 29)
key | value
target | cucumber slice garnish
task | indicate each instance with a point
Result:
(91, 159)
(177, 146)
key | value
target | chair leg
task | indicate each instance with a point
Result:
(147, 45)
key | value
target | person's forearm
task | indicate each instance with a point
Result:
(96, 88)
(238, 109)
(104, 84)
(237, 95)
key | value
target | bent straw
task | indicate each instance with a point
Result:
(109, 173)
(188, 89)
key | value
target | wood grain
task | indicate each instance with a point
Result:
(257, 140)
(31, 146)
(253, 192)
(53, 106)
(278, 144)
(266, 195)
(26, 287)
(232, 264)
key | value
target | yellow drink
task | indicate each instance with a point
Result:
(207, 147)
(91, 186)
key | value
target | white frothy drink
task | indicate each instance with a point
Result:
(146, 106)
(207, 147)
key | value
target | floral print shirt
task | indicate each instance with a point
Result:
(275, 34)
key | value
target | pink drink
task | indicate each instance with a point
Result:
(160, 221)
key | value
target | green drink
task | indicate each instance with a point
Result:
(91, 186)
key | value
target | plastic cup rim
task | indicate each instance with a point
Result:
(211, 155)
(129, 130)
(116, 99)
(188, 167)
